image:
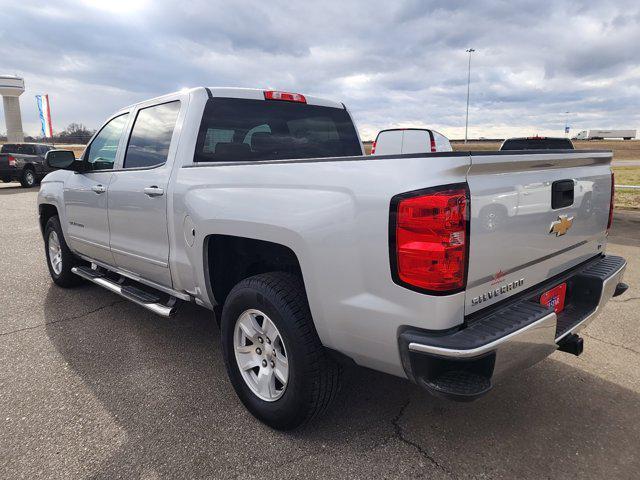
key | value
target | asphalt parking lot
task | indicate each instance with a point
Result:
(92, 386)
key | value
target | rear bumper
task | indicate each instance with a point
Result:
(464, 364)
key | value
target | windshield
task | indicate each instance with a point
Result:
(248, 130)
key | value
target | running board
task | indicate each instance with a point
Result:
(131, 293)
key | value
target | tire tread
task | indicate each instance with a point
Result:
(324, 371)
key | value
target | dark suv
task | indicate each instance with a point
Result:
(537, 143)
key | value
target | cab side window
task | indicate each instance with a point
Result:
(151, 136)
(101, 153)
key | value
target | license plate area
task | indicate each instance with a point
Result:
(555, 297)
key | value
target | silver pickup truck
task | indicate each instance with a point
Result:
(450, 269)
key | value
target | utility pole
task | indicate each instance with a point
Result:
(566, 124)
(466, 123)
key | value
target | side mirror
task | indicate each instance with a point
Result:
(63, 160)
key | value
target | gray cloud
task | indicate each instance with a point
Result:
(392, 63)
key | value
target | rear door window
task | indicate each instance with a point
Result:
(151, 136)
(250, 130)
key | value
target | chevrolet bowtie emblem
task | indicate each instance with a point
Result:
(561, 226)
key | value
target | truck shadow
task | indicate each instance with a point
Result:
(164, 383)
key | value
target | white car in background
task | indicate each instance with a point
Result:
(409, 140)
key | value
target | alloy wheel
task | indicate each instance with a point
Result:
(55, 252)
(261, 355)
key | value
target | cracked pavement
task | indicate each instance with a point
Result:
(92, 386)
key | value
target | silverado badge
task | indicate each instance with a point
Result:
(561, 226)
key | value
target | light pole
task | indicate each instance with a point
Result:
(466, 122)
(566, 124)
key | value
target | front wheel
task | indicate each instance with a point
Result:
(274, 357)
(28, 178)
(60, 259)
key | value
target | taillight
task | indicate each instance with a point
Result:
(428, 244)
(433, 145)
(611, 201)
(284, 96)
(12, 161)
(373, 148)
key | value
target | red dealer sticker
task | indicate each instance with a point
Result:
(554, 298)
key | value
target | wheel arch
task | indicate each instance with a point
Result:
(228, 259)
(46, 211)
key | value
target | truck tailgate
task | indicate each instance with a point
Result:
(532, 217)
(4, 161)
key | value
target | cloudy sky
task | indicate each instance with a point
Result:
(393, 63)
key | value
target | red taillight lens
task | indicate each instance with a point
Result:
(433, 145)
(284, 96)
(611, 201)
(12, 161)
(373, 148)
(431, 240)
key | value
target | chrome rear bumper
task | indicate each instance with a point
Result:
(510, 337)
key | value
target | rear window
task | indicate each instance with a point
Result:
(248, 130)
(537, 144)
(19, 149)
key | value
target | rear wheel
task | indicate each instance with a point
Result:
(274, 357)
(60, 259)
(28, 178)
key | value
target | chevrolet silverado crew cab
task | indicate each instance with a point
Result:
(261, 206)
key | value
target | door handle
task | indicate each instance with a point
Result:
(99, 188)
(153, 191)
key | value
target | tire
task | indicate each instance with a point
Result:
(313, 376)
(7, 179)
(28, 178)
(60, 274)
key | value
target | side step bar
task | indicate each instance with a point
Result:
(136, 295)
